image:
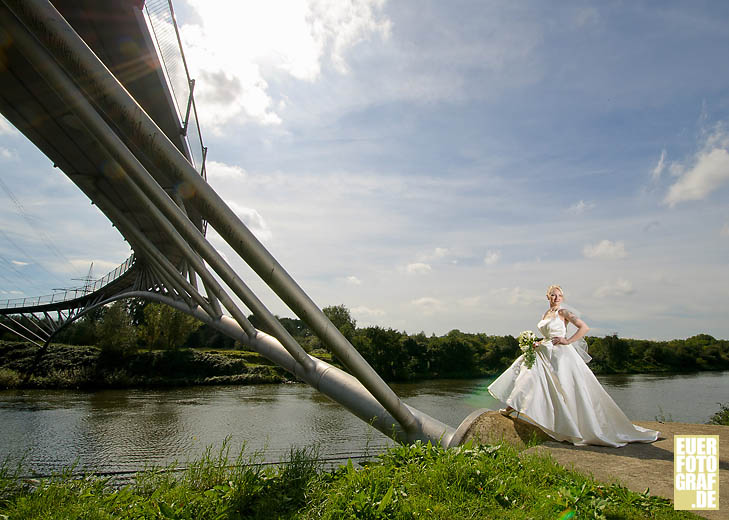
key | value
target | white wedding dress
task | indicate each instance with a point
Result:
(561, 395)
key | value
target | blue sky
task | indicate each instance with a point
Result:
(436, 165)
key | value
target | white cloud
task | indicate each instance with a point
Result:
(441, 255)
(709, 170)
(651, 226)
(527, 264)
(605, 249)
(19, 263)
(619, 288)
(658, 170)
(580, 207)
(516, 296)
(367, 312)
(99, 268)
(235, 45)
(492, 257)
(418, 268)
(7, 154)
(436, 254)
(586, 16)
(6, 128)
(428, 305)
(675, 169)
(341, 25)
(709, 173)
(217, 170)
(353, 280)
(471, 301)
(253, 220)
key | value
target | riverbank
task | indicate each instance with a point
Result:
(417, 481)
(24, 365)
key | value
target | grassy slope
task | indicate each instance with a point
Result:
(67, 366)
(418, 481)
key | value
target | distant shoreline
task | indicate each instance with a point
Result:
(88, 368)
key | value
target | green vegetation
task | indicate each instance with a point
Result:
(165, 327)
(722, 416)
(82, 367)
(115, 330)
(406, 482)
(184, 351)
(700, 352)
(399, 356)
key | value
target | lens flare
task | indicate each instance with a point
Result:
(566, 515)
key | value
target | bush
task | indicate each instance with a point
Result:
(117, 334)
(721, 417)
(9, 378)
(165, 327)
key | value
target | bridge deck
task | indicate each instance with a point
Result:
(119, 280)
(118, 34)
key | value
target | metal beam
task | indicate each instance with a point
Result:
(142, 186)
(41, 18)
(2, 324)
(336, 384)
(165, 266)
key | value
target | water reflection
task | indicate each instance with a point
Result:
(128, 429)
(129, 426)
(691, 398)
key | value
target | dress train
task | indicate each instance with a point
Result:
(562, 396)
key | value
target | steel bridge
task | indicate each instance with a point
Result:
(102, 89)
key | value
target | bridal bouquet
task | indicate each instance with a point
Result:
(527, 341)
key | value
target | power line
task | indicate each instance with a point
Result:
(21, 210)
(26, 256)
(45, 238)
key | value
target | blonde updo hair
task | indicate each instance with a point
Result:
(553, 287)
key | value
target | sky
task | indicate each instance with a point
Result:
(437, 165)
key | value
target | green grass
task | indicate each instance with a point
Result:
(85, 367)
(722, 416)
(415, 481)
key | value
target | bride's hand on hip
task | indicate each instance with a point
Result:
(559, 341)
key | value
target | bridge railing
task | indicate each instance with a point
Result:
(161, 19)
(69, 294)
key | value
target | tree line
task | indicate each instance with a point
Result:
(126, 326)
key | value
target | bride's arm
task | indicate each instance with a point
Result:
(582, 327)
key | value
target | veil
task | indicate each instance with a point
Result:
(580, 344)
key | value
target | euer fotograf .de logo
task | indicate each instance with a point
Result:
(696, 472)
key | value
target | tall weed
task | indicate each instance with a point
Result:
(407, 481)
(721, 417)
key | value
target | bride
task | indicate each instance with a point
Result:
(559, 393)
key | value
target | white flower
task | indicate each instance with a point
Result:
(527, 341)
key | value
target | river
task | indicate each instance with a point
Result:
(126, 430)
